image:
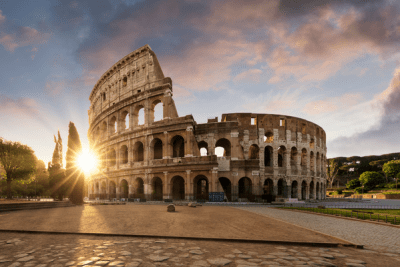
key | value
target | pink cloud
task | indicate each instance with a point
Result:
(329, 105)
(252, 75)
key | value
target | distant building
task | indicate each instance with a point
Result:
(265, 155)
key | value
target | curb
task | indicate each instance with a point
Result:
(254, 241)
(349, 244)
(346, 218)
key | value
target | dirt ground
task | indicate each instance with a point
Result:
(205, 221)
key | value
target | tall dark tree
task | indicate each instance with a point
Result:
(18, 161)
(56, 172)
(74, 175)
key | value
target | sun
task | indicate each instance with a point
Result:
(87, 161)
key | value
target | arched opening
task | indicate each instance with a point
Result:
(317, 191)
(245, 188)
(113, 125)
(311, 196)
(254, 152)
(268, 156)
(269, 137)
(225, 145)
(125, 120)
(140, 116)
(103, 130)
(293, 157)
(178, 147)
(200, 189)
(317, 165)
(203, 147)
(281, 156)
(124, 189)
(227, 187)
(303, 190)
(157, 146)
(268, 190)
(103, 190)
(111, 157)
(178, 188)
(312, 143)
(157, 110)
(138, 188)
(124, 154)
(303, 158)
(282, 188)
(113, 189)
(124, 81)
(312, 162)
(294, 190)
(138, 151)
(157, 193)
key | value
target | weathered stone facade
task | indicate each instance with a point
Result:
(174, 158)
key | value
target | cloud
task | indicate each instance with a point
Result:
(19, 36)
(252, 75)
(329, 105)
(383, 137)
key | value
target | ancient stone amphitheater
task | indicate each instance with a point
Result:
(264, 155)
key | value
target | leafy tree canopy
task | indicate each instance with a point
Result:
(371, 179)
(18, 160)
(353, 184)
(391, 168)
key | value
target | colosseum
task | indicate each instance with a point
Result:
(171, 157)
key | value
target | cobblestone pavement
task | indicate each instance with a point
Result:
(47, 250)
(372, 236)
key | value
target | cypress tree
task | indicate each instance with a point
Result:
(75, 177)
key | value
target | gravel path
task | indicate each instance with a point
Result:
(372, 236)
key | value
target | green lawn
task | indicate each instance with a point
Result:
(391, 216)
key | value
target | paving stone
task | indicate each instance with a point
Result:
(158, 258)
(327, 256)
(116, 263)
(4, 260)
(21, 255)
(168, 254)
(160, 241)
(25, 259)
(95, 258)
(70, 263)
(243, 256)
(201, 263)
(219, 261)
(243, 262)
(255, 260)
(15, 264)
(353, 264)
(101, 263)
(289, 258)
(197, 252)
(252, 253)
(195, 248)
(125, 253)
(84, 263)
(229, 256)
(197, 257)
(356, 261)
(133, 264)
(236, 251)
(325, 263)
(41, 265)
(155, 247)
(186, 255)
(268, 257)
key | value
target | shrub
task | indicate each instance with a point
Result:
(359, 190)
(339, 191)
(353, 184)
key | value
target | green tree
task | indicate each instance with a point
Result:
(40, 183)
(73, 174)
(57, 186)
(18, 161)
(371, 179)
(352, 184)
(391, 168)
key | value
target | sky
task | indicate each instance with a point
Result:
(334, 63)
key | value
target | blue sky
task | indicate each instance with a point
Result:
(335, 63)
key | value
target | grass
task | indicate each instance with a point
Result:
(390, 216)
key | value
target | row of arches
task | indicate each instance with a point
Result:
(124, 118)
(201, 188)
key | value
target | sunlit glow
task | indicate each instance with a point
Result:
(87, 161)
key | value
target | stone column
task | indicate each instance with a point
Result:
(315, 190)
(130, 194)
(118, 157)
(189, 195)
(166, 146)
(166, 187)
(214, 180)
(117, 191)
(211, 144)
(189, 142)
(298, 190)
(289, 188)
(235, 152)
(275, 187)
(307, 190)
